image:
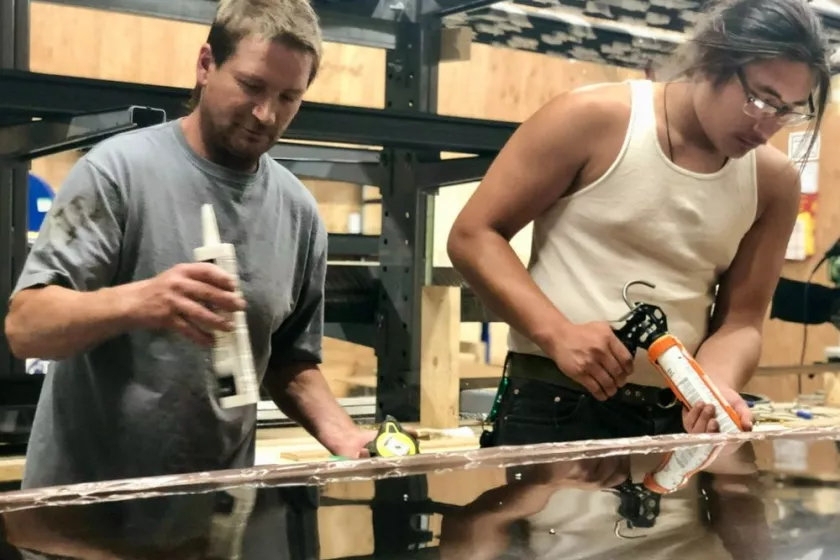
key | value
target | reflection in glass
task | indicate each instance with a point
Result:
(624, 499)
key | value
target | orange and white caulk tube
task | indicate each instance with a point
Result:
(678, 466)
(689, 382)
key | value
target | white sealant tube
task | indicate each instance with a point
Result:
(679, 466)
(233, 361)
(690, 383)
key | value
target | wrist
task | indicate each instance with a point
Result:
(339, 435)
(724, 381)
(129, 302)
(719, 376)
(549, 334)
(346, 443)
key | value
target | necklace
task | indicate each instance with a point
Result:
(668, 126)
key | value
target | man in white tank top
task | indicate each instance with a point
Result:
(671, 183)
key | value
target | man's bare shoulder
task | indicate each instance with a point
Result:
(775, 170)
(777, 177)
(599, 105)
(577, 121)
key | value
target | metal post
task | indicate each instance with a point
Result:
(400, 526)
(411, 85)
(21, 15)
(14, 53)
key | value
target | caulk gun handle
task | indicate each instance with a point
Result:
(623, 334)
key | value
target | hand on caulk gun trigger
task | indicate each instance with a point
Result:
(701, 418)
(592, 355)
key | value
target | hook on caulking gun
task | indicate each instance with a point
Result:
(642, 323)
(626, 298)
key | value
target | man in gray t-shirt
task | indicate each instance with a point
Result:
(111, 290)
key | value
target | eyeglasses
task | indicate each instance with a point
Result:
(759, 109)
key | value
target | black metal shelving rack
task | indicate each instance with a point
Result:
(375, 305)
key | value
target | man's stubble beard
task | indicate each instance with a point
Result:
(220, 151)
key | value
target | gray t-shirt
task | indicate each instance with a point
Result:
(144, 403)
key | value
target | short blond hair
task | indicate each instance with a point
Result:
(293, 23)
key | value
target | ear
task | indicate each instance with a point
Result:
(205, 65)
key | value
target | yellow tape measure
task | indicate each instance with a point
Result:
(393, 441)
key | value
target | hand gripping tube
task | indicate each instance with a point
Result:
(646, 326)
(233, 362)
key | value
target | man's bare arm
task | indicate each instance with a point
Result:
(301, 392)
(55, 322)
(479, 530)
(537, 167)
(732, 352)
(736, 509)
(548, 155)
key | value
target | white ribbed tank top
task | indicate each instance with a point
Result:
(647, 219)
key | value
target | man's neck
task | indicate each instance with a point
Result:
(683, 120)
(195, 136)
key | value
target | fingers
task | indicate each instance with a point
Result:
(605, 381)
(700, 419)
(593, 386)
(616, 364)
(744, 413)
(201, 317)
(606, 472)
(211, 274)
(615, 370)
(620, 473)
(193, 333)
(622, 356)
(210, 295)
(610, 472)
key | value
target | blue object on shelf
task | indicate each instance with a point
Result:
(40, 198)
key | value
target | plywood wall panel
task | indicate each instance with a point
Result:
(510, 85)
(783, 341)
(88, 43)
(125, 47)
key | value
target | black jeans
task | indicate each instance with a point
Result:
(532, 412)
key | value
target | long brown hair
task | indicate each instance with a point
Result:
(739, 32)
